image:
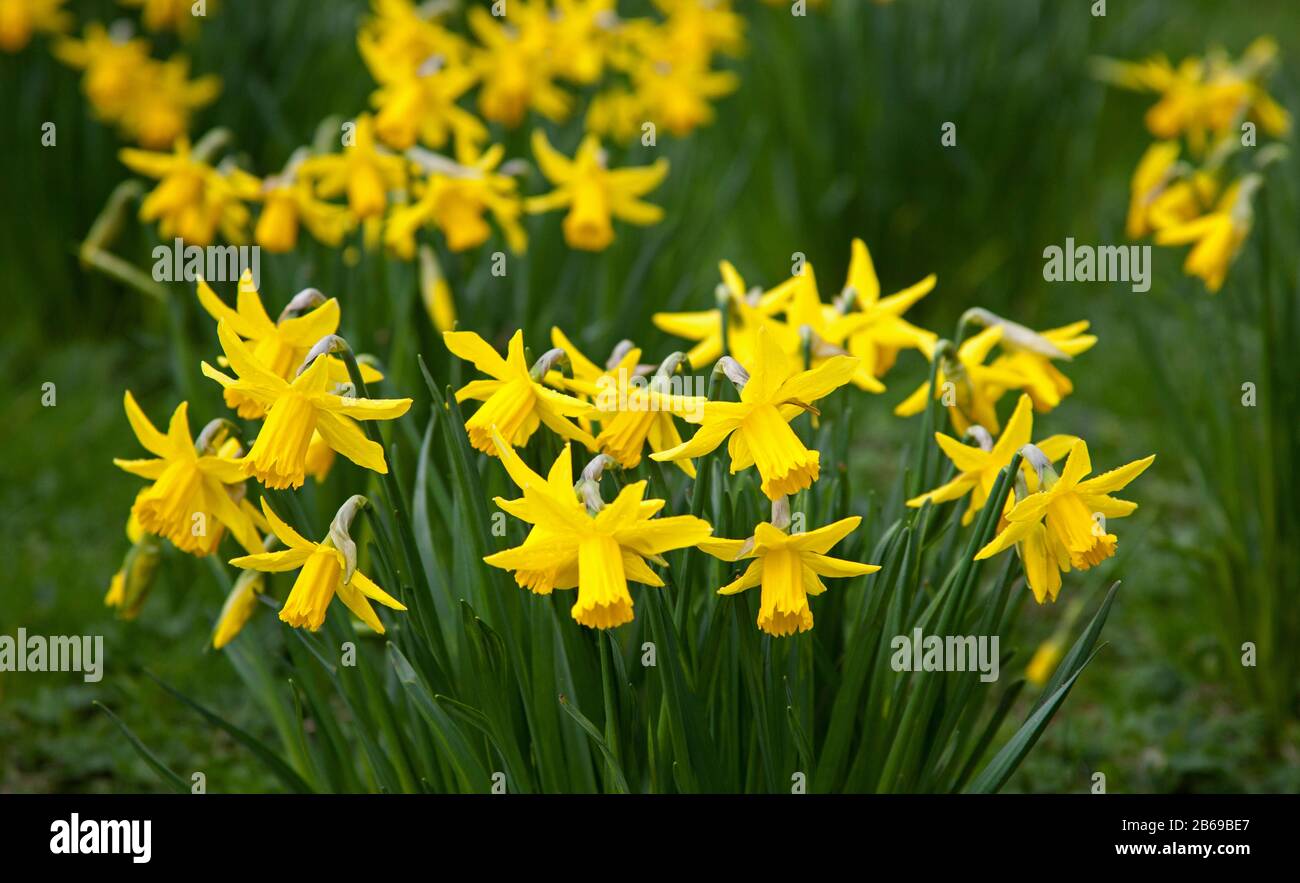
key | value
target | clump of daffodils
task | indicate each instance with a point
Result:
(150, 101)
(302, 383)
(1196, 184)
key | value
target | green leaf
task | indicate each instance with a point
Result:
(273, 761)
(995, 775)
(149, 757)
(612, 764)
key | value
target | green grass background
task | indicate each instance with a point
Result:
(834, 134)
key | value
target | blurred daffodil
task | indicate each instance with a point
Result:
(19, 19)
(289, 201)
(1217, 234)
(518, 63)
(193, 200)
(457, 197)
(364, 170)
(112, 61)
(594, 193)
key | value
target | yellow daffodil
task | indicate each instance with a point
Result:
(1153, 174)
(1218, 234)
(19, 19)
(456, 196)
(978, 467)
(168, 15)
(421, 104)
(693, 31)
(1204, 97)
(195, 494)
(1044, 661)
(279, 346)
(514, 399)
(325, 571)
(192, 200)
(165, 99)
(616, 113)
(435, 292)
(748, 312)
(594, 193)
(111, 61)
(518, 63)
(1043, 381)
(363, 170)
(882, 331)
(968, 388)
(788, 567)
(238, 608)
(288, 200)
(1063, 525)
(677, 94)
(130, 586)
(579, 38)
(773, 395)
(633, 409)
(406, 35)
(596, 548)
(278, 458)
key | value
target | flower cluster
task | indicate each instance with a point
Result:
(300, 379)
(782, 350)
(1195, 186)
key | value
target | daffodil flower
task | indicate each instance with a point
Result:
(192, 199)
(517, 62)
(323, 572)
(1063, 525)
(111, 61)
(633, 409)
(363, 170)
(163, 101)
(130, 585)
(788, 567)
(238, 608)
(677, 94)
(278, 458)
(166, 15)
(194, 494)
(289, 200)
(514, 399)
(748, 311)
(421, 104)
(600, 551)
(978, 467)
(882, 331)
(594, 193)
(774, 394)
(1218, 235)
(1043, 381)
(278, 346)
(456, 196)
(19, 19)
(967, 386)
